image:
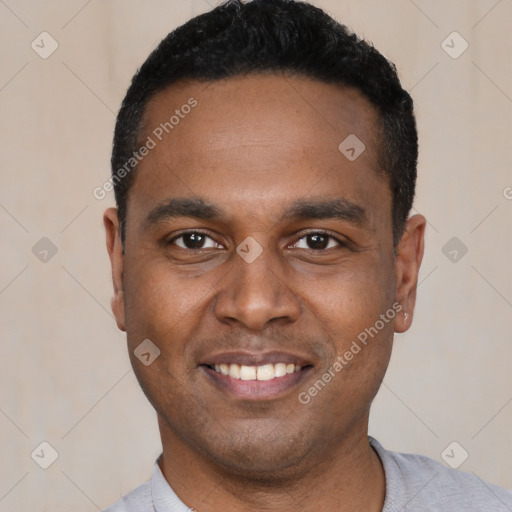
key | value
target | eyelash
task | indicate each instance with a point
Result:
(340, 243)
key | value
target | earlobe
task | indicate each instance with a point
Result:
(115, 252)
(407, 265)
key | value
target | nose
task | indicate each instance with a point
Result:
(256, 294)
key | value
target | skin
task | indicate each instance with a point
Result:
(252, 147)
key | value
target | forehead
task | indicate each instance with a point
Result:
(258, 138)
(311, 112)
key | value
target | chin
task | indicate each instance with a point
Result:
(260, 467)
(262, 460)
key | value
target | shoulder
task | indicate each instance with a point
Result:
(138, 500)
(415, 482)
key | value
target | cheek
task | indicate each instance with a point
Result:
(355, 309)
(165, 310)
(351, 299)
(160, 303)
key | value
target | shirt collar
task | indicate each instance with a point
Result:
(164, 498)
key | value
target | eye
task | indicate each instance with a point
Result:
(194, 240)
(317, 241)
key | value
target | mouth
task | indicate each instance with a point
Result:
(264, 372)
(256, 376)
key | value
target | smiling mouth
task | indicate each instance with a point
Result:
(248, 380)
(263, 372)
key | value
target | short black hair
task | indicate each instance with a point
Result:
(275, 36)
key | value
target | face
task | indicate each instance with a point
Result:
(257, 255)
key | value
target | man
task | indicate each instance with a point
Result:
(264, 165)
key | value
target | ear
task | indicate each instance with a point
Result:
(407, 265)
(115, 252)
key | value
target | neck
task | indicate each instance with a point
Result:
(349, 478)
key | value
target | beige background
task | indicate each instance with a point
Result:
(65, 374)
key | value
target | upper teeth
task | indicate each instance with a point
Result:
(265, 372)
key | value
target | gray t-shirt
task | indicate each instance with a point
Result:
(414, 483)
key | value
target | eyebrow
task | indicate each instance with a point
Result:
(339, 209)
(302, 209)
(183, 207)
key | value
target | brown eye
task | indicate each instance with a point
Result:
(194, 240)
(317, 241)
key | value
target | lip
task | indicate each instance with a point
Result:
(255, 358)
(256, 390)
